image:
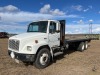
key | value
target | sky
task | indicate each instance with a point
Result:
(15, 15)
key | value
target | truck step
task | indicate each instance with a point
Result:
(58, 53)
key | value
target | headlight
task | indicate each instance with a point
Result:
(29, 48)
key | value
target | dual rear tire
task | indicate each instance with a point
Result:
(83, 46)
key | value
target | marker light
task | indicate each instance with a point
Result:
(36, 41)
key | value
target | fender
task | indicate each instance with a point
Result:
(44, 44)
(35, 47)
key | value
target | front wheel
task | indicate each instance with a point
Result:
(43, 58)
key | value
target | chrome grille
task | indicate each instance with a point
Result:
(14, 44)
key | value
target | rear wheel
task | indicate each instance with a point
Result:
(43, 58)
(81, 47)
(86, 45)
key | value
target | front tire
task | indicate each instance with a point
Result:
(43, 58)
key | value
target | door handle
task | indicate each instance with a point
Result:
(45, 38)
(58, 38)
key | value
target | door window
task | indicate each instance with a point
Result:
(52, 28)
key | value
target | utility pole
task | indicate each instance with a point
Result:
(90, 26)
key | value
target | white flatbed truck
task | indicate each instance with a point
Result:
(43, 41)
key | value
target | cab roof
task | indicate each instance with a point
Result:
(46, 20)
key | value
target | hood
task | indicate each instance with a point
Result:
(28, 35)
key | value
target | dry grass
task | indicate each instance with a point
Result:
(73, 63)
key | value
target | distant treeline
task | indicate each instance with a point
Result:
(6, 35)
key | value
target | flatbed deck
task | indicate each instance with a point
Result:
(77, 40)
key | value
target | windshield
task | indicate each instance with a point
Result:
(40, 26)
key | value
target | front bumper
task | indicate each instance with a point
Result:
(23, 57)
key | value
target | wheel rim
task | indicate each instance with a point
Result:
(83, 47)
(44, 58)
(86, 46)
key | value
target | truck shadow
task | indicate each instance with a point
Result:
(66, 52)
(62, 56)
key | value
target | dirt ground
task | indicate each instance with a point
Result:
(73, 63)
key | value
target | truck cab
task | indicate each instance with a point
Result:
(40, 35)
(43, 40)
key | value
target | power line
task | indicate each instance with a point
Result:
(90, 26)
